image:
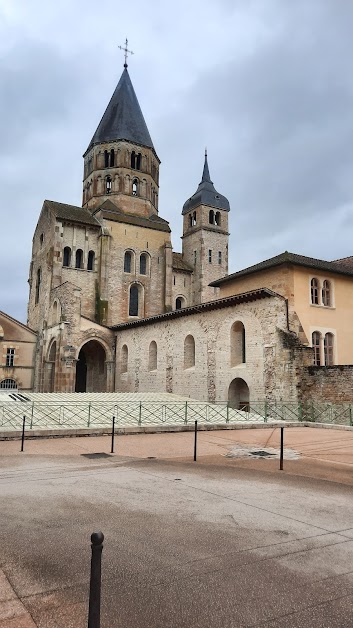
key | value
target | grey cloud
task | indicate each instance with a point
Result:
(275, 113)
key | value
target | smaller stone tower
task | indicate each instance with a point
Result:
(205, 237)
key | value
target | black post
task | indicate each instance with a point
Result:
(23, 433)
(281, 454)
(94, 613)
(113, 431)
(195, 442)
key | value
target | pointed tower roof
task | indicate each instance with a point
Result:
(123, 118)
(206, 194)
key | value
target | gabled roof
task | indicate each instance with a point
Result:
(245, 297)
(109, 211)
(17, 322)
(123, 118)
(288, 258)
(71, 213)
(180, 264)
(206, 194)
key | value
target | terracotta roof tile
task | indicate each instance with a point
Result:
(288, 258)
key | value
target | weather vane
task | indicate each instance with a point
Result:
(126, 51)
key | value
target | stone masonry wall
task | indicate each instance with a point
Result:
(333, 384)
(271, 364)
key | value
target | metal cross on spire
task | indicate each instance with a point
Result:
(126, 51)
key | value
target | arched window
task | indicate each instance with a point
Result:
(127, 261)
(316, 344)
(133, 160)
(326, 293)
(237, 344)
(134, 300)
(314, 291)
(79, 259)
(211, 217)
(138, 161)
(67, 256)
(106, 159)
(219, 257)
(189, 352)
(90, 261)
(152, 356)
(124, 359)
(135, 187)
(143, 264)
(190, 220)
(217, 220)
(108, 185)
(179, 303)
(112, 158)
(8, 384)
(328, 349)
(41, 239)
(38, 282)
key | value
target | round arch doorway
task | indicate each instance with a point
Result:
(238, 394)
(90, 368)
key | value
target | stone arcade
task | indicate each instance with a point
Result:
(116, 309)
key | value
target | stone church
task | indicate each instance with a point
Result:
(116, 309)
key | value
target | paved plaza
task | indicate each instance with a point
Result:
(224, 542)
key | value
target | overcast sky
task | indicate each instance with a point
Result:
(266, 85)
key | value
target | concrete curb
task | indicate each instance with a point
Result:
(160, 429)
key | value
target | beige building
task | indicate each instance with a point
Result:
(17, 349)
(319, 296)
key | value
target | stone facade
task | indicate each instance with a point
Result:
(273, 354)
(332, 384)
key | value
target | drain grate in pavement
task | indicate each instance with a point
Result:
(262, 453)
(96, 456)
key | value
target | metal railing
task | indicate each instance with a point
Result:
(53, 415)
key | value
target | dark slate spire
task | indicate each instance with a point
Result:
(123, 118)
(206, 172)
(206, 193)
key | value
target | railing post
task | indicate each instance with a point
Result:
(140, 413)
(23, 433)
(89, 414)
(32, 410)
(300, 411)
(265, 413)
(113, 432)
(195, 442)
(312, 412)
(350, 415)
(186, 413)
(281, 454)
(227, 419)
(94, 612)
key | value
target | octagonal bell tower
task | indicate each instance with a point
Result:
(120, 163)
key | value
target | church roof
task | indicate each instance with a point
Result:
(337, 266)
(180, 264)
(109, 211)
(237, 299)
(206, 194)
(71, 213)
(123, 118)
